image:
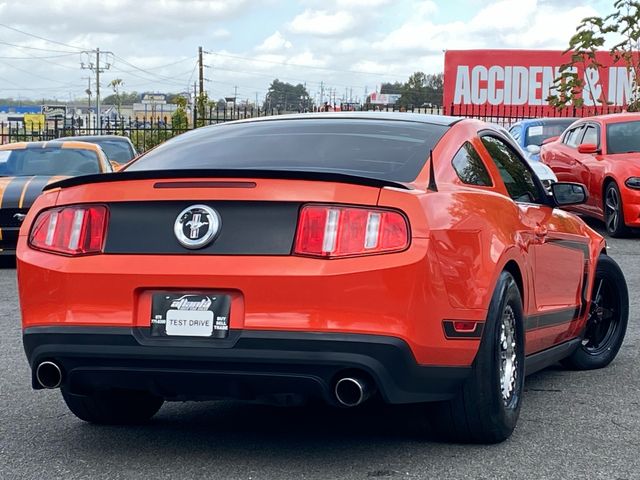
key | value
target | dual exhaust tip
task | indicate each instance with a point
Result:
(48, 375)
(349, 391)
(352, 391)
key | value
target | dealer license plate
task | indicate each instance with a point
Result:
(190, 315)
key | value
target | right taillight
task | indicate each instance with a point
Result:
(334, 231)
(74, 230)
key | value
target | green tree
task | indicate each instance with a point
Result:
(622, 26)
(391, 88)
(202, 104)
(435, 89)
(115, 85)
(126, 98)
(179, 119)
(288, 97)
(422, 89)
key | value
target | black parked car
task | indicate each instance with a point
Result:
(117, 148)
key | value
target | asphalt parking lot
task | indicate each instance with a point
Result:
(573, 425)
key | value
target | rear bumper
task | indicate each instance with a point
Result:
(248, 365)
(400, 295)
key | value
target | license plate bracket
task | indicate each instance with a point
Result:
(181, 314)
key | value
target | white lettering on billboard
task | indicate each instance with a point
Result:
(532, 85)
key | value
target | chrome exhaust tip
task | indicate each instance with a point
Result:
(48, 375)
(351, 392)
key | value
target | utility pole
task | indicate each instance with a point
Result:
(321, 94)
(200, 71)
(97, 69)
(235, 95)
(195, 104)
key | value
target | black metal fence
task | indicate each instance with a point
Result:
(507, 115)
(144, 132)
(147, 132)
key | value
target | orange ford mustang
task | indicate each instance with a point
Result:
(335, 257)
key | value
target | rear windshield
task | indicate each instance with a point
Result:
(115, 150)
(48, 161)
(536, 134)
(381, 149)
(623, 137)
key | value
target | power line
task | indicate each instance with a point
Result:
(159, 66)
(44, 59)
(155, 75)
(298, 65)
(39, 37)
(284, 78)
(97, 69)
(39, 58)
(34, 48)
(34, 74)
(151, 80)
(191, 76)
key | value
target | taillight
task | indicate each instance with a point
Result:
(332, 231)
(73, 230)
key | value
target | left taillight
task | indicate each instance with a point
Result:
(74, 230)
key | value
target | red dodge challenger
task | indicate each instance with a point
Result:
(603, 153)
(334, 256)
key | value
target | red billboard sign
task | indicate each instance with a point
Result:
(505, 79)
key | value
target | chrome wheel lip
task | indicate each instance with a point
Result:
(508, 354)
(612, 207)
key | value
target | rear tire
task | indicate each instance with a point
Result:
(487, 408)
(120, 407)
(614, 211)
(607, 321)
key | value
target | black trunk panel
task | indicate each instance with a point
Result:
(248, 228)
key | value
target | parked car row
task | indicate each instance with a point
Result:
(602, 153)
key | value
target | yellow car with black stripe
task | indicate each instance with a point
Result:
(27, 167)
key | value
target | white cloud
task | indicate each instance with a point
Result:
(274, 43)
(362, 3)
(221, 33)
(322, 23)
(531, 24)
(329, 41)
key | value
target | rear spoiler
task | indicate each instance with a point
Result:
(123, 176)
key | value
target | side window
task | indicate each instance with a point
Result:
(469, 167)
(516, 132)
(590, 135)
(515, 174)
(574, 136)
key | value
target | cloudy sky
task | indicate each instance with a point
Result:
(348, 45)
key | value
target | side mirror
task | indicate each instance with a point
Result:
(550, 139)
(588, 148)
(533, 149)
(565, 193)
